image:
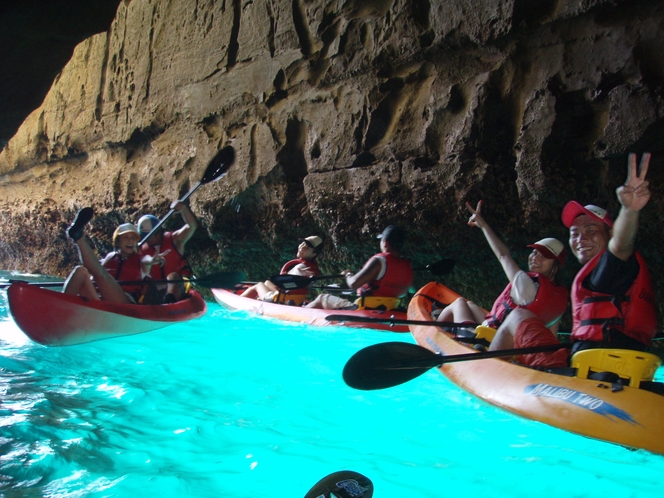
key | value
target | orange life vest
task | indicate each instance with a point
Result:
(175, 262)
(128, 269)
(311, 265)
(549, 304)
(396, 281)
(594, 313)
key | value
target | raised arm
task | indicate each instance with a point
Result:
(499, 249)
(182, 236)
(633, 197)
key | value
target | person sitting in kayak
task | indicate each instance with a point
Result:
(612, 295)
(385, 275)
(537, 290)
(97, 280)
(304, 264)
(163, 254)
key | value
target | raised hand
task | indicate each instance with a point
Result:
(635, 194)
(476, 219)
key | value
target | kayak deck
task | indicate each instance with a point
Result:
(310, 316)
(56, 319)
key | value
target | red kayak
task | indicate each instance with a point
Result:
(310, 316)
(56, 319)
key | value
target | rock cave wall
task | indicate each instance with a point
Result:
(346, 116)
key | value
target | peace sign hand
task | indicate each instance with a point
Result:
(476, 219)
(635, 194)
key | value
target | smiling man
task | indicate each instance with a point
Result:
(612, 296)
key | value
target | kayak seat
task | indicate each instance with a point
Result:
(282, 297)
(376, 302)
(636, 366)
(485, 332)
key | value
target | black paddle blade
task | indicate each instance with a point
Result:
(223, 280)
(387, 365)
(219, 165)
(342, 484)
(442, 267)
(289, 282)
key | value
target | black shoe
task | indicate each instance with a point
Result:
(83, 217)
(169, 299)
(290, 302)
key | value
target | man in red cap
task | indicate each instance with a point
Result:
(612, 295)
(612, 298)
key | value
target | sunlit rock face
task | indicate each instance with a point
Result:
(346, 116)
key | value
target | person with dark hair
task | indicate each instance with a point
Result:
(612, 295)
(536, 290)
(304, 264)
(613, 304)
(96, 280)
(163, 254)
(385, 275)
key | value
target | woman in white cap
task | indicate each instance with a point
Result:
(304, 264)
(96, 280)
(536, 290)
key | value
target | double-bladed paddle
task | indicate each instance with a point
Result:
(222, 280)
(392, 363)
(217, 169)
(342, 484)
(289, 282)
(392, 321)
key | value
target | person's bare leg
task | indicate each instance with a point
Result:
(459, 312)
(262, 289)
(477, 312)
(504, 338)
(78, 283)
(109, 288)
(176, 289)
(250, 292)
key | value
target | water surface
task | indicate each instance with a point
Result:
(239, 406)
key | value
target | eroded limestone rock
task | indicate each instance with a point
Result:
(346, 116)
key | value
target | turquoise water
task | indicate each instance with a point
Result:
(238, 406)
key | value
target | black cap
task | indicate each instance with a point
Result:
(396, 236)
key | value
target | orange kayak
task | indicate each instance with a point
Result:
(631, 417)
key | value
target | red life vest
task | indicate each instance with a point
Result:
(632, 314)
(175, 262)
(549, 304)
(311, 265)
(124, 269)
(396, 281)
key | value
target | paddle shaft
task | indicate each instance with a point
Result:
(221, 280)
(168, 215)
(215, 170)
(392, 321)
(501, 353)
(287, 281)
(389, 364)
(123, 282)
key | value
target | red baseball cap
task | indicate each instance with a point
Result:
(573, 209)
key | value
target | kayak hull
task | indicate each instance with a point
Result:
(629, 417)
(310, 316)
(56, 319)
